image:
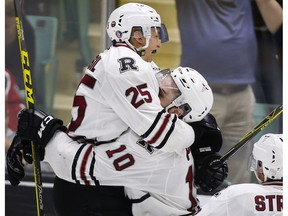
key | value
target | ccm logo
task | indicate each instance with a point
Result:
(43, 125)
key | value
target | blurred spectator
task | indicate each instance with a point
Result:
(218, 40)
(268, 87)
(269, 7)
(12, 53)
(40, 7)
(13, 104)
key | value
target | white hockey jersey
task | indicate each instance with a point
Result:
(246, 200)
(115, 105)
(118, 91)
(151, 176)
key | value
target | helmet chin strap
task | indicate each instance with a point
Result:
(257, 177)
(140, 50)
(179, 111)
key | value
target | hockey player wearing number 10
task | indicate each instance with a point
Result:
(117, 95)
(157, 182)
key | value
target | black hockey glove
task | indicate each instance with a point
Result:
(15, 167)
(33, 125)
(208, 137)
(18, 150)
(37, 126)
(207, 176)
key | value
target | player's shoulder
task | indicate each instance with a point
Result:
(121, 51)
(238, 189)
(250, 188)
(125, 56)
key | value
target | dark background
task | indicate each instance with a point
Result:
(20, 200)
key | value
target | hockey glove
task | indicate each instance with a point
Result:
(207, 176)
(14, 164)
(208, 137)
(37, 126)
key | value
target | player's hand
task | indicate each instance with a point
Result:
(14, 164)
(208, 176)
(20, 149)
(37, 126)
(207, 136)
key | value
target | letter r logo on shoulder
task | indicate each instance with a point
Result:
(127, 64)
(43, 125)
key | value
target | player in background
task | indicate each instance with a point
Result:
(249, 199)
(13, 104)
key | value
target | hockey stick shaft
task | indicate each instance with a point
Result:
(27, 78)
(252, 133)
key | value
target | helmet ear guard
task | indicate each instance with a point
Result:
(268, 153)
(196, 95)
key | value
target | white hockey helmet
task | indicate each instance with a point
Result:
(127, 16)
(196, 97)
(269, 150)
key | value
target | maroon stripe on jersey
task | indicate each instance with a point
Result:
(274, 182)
(91, 67)
(168, 133)
(123, 45)
(153, 124)
(83, 165)
(88, 81)
(91, 171)
(74, 165)
(161, 129)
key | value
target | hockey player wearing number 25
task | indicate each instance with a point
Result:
(116, 97)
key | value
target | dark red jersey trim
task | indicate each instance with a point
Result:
(124, 45)
(160, 131)
(146, 134)
(74, 165)
(91, 67)
(168, 133)
(83, 165)
(88, 81)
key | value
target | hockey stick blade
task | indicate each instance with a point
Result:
(18, 4)
(252, 133)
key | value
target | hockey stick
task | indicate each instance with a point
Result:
(18, 4)
(252, 133)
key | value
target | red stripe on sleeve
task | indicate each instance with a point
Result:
(160, 131)
(83, 165)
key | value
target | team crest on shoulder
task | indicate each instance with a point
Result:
(145, 145)
(127, 64)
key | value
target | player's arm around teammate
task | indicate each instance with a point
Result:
(118, 91)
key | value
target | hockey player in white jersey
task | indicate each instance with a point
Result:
(157, 181)
(119, 89)
(250, 199)
(119, 92)
(152, 177)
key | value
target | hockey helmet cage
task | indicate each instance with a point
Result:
(196, 97)
(123, 19)
(269, 150)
